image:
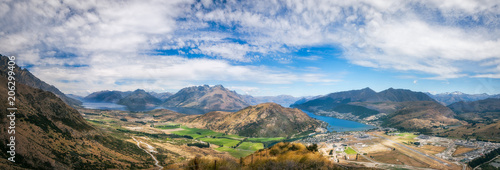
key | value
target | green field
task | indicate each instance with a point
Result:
(168, 126)
(408, 135)
(250, 146)
(197, 133)
(350, 151)
(235, 152)
(235, 137)
(221, 141)
(265, 139)
(227, 141)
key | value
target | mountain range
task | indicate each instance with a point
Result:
(404, 109)
(207, 98)
(333, 100)
(162, 96)
(449, 98)
(483, 117)
(106, 96)
(139, 100)
(283, 100)
(481, 111)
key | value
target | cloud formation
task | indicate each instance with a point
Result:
(119, 44)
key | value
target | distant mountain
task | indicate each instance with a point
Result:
(25, 77)
(304, 99)
(77, 97)
(283, 100)
(207, 98)
(405, 109)
(402, 95)
(106, 96)
(162, 96)
(480, 106)
(263, 120)
(420, 116)
(449, 98)
(139, 100)
(481, 111)
(114, 96)
(49, 134)
(332, 100)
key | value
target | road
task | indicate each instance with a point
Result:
(364, 156)
(414, 150)
(154, 158)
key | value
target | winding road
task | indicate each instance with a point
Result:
(154, 158)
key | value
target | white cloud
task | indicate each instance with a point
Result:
(118, 39)
(248, 90)
(160, 72)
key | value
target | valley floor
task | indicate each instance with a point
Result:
(173, 144)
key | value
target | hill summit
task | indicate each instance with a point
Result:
(207, 98)
(263, 120)
(139, 100)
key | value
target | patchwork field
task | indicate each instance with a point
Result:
(350, 151)
(235, 145)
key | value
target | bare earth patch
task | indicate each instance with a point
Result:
(461, 150)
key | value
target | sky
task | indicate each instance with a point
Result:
(260, 48)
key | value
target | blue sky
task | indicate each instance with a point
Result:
(300, 48)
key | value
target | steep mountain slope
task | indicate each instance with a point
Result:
(139, 100)
(481, 111)
(453, 97)
(105, 96)
(283, 100)
(25, 77)
(51, 135)
(263, 120)
(207, 98)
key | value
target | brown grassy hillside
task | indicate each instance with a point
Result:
(278, 157)
(49, 134)
(263, 120)
(421, 115)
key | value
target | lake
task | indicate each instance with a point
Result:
(104, 106)
(340, 125)
(334, 124)
(113, 106)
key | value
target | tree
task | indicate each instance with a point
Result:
(313, 147)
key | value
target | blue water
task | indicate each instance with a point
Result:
(104, 106)
(340, 125)
(113, 106)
